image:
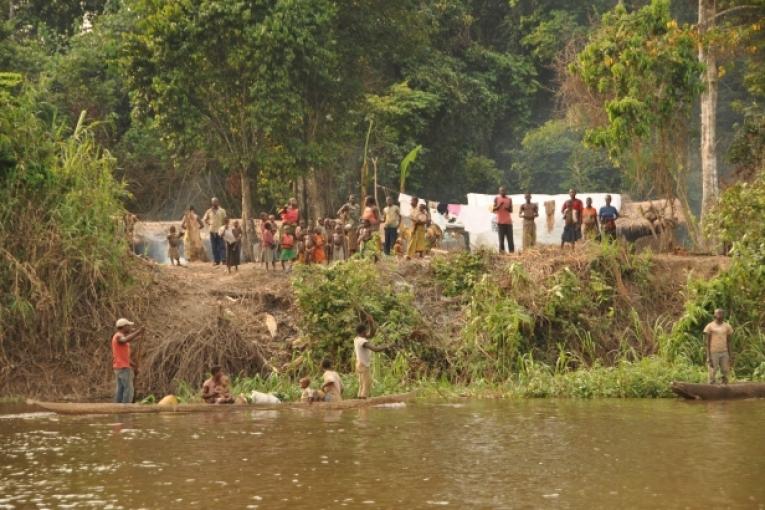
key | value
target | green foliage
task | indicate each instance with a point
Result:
(648, 378)
(739, 217)
(640, 76)
(406, 163)
(494, 332)
(747, 150)
(739, 290)
(553, 159)
(334, 300)
(64, 259)
(458, 274)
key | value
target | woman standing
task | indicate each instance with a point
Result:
(419, 218)
(232, 236)
(192, 240)
(372, 216)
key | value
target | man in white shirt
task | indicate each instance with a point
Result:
(214, 218)
(363, 350)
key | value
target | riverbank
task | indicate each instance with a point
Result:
(542, 324)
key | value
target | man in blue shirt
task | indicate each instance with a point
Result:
(608, 215)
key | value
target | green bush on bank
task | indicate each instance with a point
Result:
(63, 259)
(334, 300)
(739, 219)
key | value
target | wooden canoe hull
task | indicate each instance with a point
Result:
(111, 408)
(735, 391)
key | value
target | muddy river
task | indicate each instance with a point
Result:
(508, 454)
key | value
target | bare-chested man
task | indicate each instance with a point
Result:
(215, 390)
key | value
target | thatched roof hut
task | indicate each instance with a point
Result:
(656, 218)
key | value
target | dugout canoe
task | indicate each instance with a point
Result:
(111, 408)
(734, 391)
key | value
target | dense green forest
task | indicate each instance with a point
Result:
(311, 97)
(150, 106)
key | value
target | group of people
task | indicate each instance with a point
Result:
(580, 220)
(217, 388)
(286, 238)
(331, 389)
(225, 237)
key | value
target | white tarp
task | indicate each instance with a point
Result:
(478, 220)
(481, 223)
(405, 205)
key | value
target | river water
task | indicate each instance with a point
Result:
(496, 454)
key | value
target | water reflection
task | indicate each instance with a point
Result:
(528, 454)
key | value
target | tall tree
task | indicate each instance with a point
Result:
(633, 84)
(225, 75)
(707, 56)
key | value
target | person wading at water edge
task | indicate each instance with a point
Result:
(363, 350)
(572, 217)
(214, 218)
(503, 207)
(717, 338)
(123, 367)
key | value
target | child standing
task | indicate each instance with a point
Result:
(267, 245)
(338, 244)
(174, 241)
(231, 237)
(308, 394)
(287, 244)
(319, 256)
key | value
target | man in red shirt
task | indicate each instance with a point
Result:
(572, 217)
(503, 207)
(123, 367)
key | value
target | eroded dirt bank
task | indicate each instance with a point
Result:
(200, 314)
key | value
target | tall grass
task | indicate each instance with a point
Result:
(64, 263)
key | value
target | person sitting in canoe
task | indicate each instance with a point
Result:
(215, 390)
(717, 336)
(307, 393)
(332, 385)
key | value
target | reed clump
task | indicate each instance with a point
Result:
(65, 269)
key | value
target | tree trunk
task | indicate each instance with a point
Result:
(248, 232)
(315, 206)
(709, 177)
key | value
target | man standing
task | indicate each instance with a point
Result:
(572, 217)
(503, 207)
(717, 335)
(392, 219)
(529, 213)
(121, 363)
(363, 350)
(214, 218)
(608, 215)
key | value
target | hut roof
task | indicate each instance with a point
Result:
(636, 213)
